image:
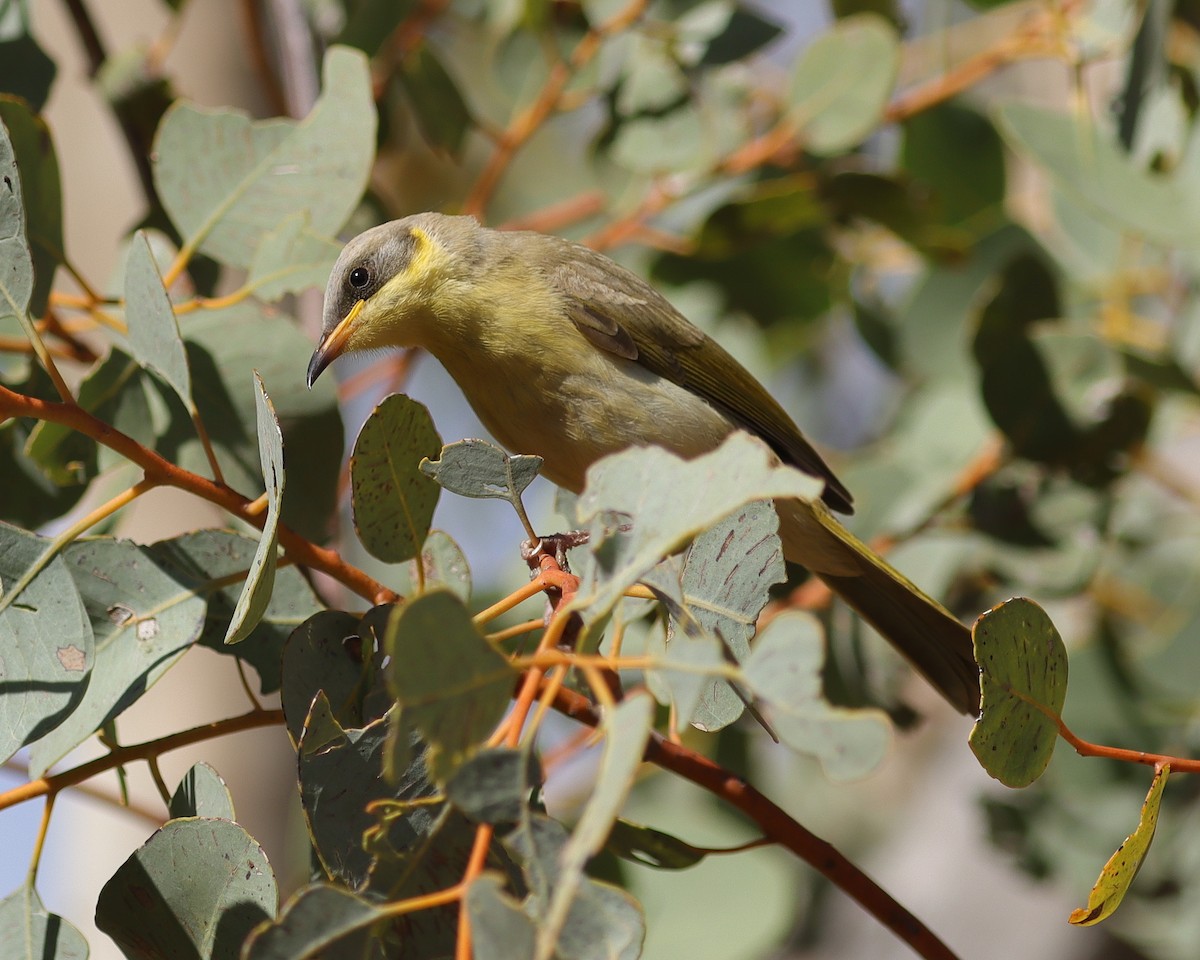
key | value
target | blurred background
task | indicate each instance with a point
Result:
(963, 257)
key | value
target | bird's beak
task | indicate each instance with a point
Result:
(332, 344)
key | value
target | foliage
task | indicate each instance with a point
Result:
(1009, 373)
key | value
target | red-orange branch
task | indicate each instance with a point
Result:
(780, 828)
(123, 756)
(161, 470)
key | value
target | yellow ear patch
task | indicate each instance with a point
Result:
(423, 251)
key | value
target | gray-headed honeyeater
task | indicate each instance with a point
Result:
(565, 354)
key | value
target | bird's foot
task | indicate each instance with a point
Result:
(555, 545)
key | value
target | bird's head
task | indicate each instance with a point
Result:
(390, 284)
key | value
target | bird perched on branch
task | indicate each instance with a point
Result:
(565, 354)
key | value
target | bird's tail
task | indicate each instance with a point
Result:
(919, 627)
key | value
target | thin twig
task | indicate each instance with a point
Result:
(56, 783)
(530, 120)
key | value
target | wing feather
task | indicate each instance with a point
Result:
(619, 312)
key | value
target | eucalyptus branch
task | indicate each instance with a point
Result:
(159, 470)
(55, 783)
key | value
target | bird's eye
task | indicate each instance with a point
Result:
(360, 277)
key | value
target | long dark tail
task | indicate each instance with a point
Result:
(922, 630)
(917, 625)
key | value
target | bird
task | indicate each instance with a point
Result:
(567, 355)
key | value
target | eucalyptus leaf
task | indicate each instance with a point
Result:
(476, 468)
(443, 563)
(109, 391)
(228, 181)
(340, 775)
(224, 346)
(340, 656)
(665, 502)
(153, 330)
(840, 84)
(46, 643)
(41, 191)
(318, 919)
(784, 671)
(1086, 162)
(495, 785)
(260, 580)
(1117, 875)
(500, 929)
(151, 908)
(215, 563)
(602, 921)
(201, 793)
(393, 499)
(1023, 684)
(449, 681)
(143, 617)
(626, 730)
(16, 262)
(30, 932)
(291, 258)
(727, 577)
(439, 107)
(25, 69)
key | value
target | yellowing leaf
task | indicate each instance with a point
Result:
(1117, 875)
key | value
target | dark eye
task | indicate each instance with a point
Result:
(360, 277)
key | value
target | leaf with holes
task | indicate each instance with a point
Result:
(144, 619)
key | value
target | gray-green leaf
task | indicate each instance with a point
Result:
(227, 181)
(260, 581)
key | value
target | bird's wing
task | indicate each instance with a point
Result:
(619, 312)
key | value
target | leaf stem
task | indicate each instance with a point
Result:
(479, 852)
(206, 443)
(160, 784)
(517, 597)
(39, 843)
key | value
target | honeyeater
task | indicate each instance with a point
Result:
(565, 354)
